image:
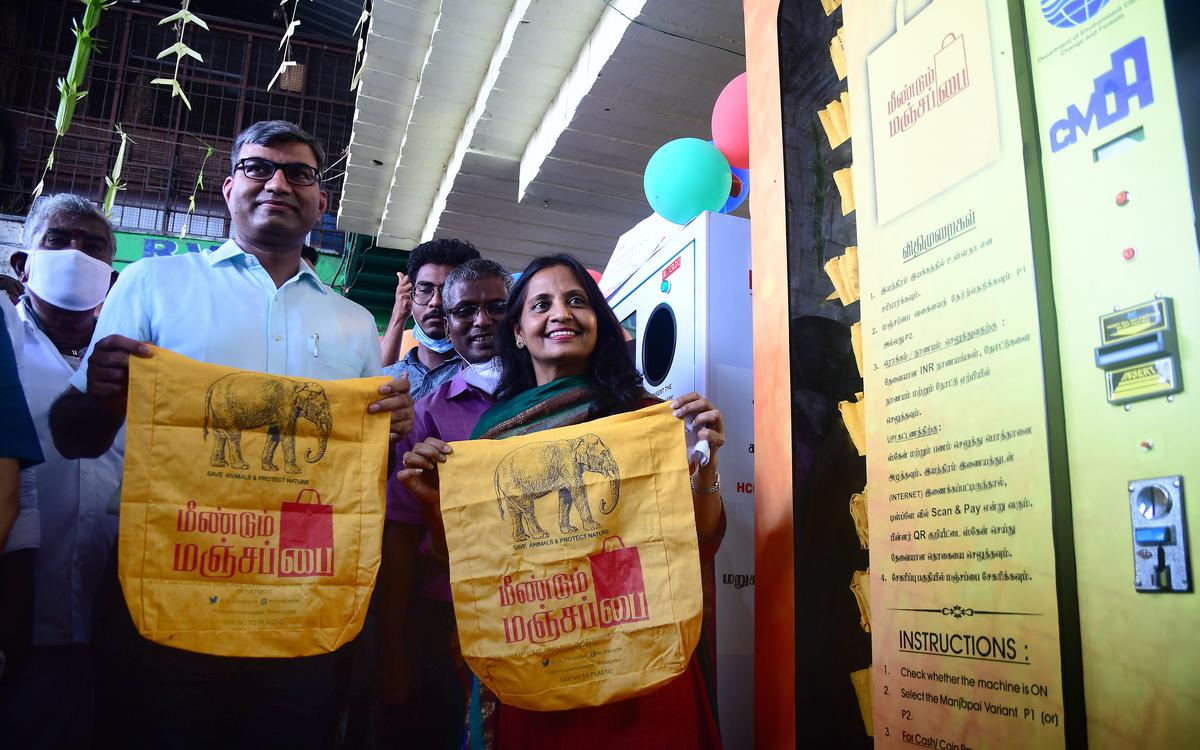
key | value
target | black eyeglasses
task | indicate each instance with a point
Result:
(261, 170)
(465, 313)
(423, 292)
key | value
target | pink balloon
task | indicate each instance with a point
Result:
(731, 123)
(595, 275)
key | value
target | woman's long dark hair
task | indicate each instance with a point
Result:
(616, 383)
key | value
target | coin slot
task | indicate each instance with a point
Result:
(1153, 502)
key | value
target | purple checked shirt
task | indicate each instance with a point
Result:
(448, 413)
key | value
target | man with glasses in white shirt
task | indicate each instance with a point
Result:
(251, 304)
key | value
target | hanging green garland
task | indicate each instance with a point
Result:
(69, 88)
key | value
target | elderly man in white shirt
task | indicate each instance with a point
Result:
(67, 269)
(251, 304)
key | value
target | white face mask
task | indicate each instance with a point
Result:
(68, 279)
(484, 375)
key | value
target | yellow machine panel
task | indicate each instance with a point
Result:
(1126, 284)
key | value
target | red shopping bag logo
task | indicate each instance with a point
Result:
(620, 587)
(305, 537)
(950, 66)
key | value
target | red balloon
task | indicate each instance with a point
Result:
(731, 123)
(595, 275)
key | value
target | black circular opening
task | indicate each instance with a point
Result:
(658, 344)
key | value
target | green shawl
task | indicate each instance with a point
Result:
(557, 403)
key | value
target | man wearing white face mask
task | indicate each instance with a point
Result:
(418, 680)
(66, 270)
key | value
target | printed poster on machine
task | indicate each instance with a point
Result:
(964, 616)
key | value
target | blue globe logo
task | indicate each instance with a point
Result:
(1067, 13)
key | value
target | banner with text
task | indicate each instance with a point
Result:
(965, 635)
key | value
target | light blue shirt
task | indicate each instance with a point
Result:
(221, 307)
(421, 380)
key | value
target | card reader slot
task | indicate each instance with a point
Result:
(1119, 145)
(1132, 349)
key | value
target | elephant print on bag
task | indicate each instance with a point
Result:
(249, 400)
(538, 469)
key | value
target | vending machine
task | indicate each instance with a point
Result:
(1117, 89)
(685, 304)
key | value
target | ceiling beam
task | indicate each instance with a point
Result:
(468, 134)
(593, 56)
(461, 47)
(537, 44)
(398, 37)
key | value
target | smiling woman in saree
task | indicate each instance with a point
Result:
(565, 362)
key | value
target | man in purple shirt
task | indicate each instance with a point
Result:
(420, 678)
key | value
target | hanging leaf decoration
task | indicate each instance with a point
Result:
(285, 44)
(287, 34)
(179, 49)
(185, 16)
(114, 180)
(187, 219)
(360, 31)
(283, 66)
(181, 18)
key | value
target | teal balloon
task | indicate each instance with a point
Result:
(685, 177)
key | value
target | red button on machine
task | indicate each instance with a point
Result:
(1129, 254)
(1123, 198)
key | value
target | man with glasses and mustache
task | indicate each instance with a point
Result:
(433, 360)
(251, 304)
(419, 678)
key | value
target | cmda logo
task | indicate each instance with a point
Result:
(1068, 13)
(1128, 78)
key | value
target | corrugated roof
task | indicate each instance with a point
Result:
(531, 127)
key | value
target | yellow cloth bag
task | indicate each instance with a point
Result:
(574, 562)
(242, 532)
